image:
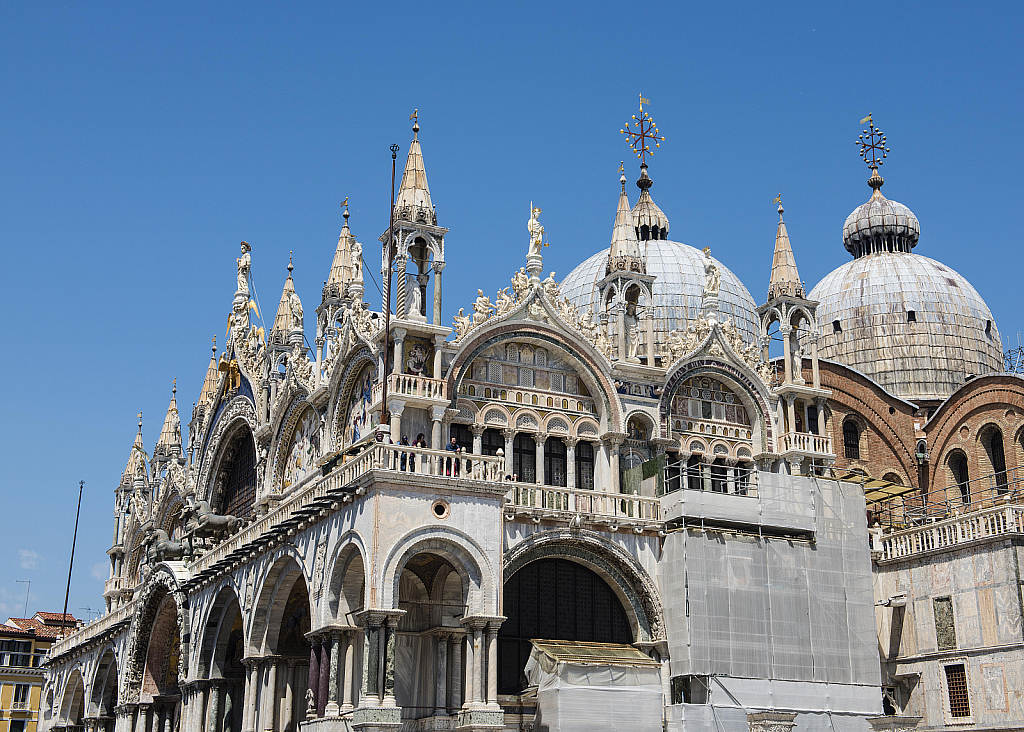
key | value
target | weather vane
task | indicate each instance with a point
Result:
(345, 202)
(778, 199)
(642, 132)
(872, 144)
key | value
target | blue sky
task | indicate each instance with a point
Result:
(141, 142)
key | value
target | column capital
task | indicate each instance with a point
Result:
(437, 413)
(396, 407)
(399, 334)
(438, 342)
(477, 429)
(785, 329)
(613, 439)
(480, 622)
(508, 433)
(438, 267)
(539, 437)
(570, 441)
(376, 617)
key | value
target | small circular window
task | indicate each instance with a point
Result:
(441, 509)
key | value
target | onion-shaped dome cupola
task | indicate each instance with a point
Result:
(912, 324)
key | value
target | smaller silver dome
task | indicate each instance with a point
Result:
(880, 225)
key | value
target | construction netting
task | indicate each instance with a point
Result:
(604, 688)
(762, 609)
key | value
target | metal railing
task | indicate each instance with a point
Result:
(915, 508)
(993, 521)
(553, 500)
(710, 477)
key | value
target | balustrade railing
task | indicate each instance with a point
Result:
(93, 629)
(410, 385)
(625, 507)
(805, 442)
(958, 499)
(988, 522)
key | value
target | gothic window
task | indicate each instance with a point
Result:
(554, 462)
(555, 599)
(851, 439)
(240, 479)
(961, 475)
(585, 466)
(524, 458)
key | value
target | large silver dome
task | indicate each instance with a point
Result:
(910, 323)
(678, 289)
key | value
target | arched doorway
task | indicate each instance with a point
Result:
(555, 599)
(72, 713)
(428, 643)
(160, 693)
(104, 691)
(221, 663)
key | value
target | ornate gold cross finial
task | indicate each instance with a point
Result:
(872, 144)
(642, 131)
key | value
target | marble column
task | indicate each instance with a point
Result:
(396, 407)
(455, 663)
(213, 711)
(819, 403)
(438, 269)
(570, 462)
(249, 703)
(400, 263)
(147, 717)
(479, 657)
(270, 710)
(347, 683)
(613, 464)
(787, 357)
(816, 373)
(288, 713)
(399, 350)
(649, 331)
(313, 683)
(790, 412)
(332, 707)
(510, 436)
(438, 343)
(478, 438)
(539, 439)
(325, 674)
(371, 665)
(436, 437)
(441, 675)
(621, 336)
(492, 664)
(389, 662)
(470, 671)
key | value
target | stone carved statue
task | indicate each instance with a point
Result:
(415, 303)
(798, 363)
(244, 263)
(712, 277)
(310, 704)
(536, 232)
(482, 308)
(676, 345)
(504, 301)
(462, 324)
(603, 343)
(356, 255)
(550, 287)
(301, 366)
(520, 283)
(160, 548)
(295, 305)
(632, 337)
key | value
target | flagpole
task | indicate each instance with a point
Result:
(71, 564)
(387, 304)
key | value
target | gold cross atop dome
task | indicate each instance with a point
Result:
(872, 144)
(640, 131)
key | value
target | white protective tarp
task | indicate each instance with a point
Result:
(576, 697)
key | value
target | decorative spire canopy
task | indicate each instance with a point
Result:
(413, 200)
(624, 253)
(283, 319)
(785, 280)
(880, 225)
(209, 390)
(136, 466)
(341, 268)
(649, 220)
(170, 434)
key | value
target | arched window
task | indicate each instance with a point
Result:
(554, 462)
(893, 478)
(961, 475)
(555, 599)
(998, 458)
(585, 466)
(524, 458)
(239, 494)
(512, 353)
(851, 439)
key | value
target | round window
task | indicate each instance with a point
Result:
(441, 509)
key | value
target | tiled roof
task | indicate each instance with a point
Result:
(44, 616)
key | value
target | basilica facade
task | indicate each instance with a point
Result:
(588, 504)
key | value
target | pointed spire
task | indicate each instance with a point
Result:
(785, 278)
(283, 319)
(624, 253)
(170, 434)
(341, 268)
(650, 221)
(209, 390)
(136, 465)
(413, 200)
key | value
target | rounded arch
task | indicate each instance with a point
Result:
(103, 696)
(527, 420)
(628, 579)
(72, 703)
(587, 428)
(160, 589)
(222, 644)
(743, 383)
(556, 424)
(460, 550)
(352, 388)
(644, 422)
(958, 466)
(496, 415)
(282, 578)
(586, 361)
(346, 590)
(232, 436)
(893, 478)
(302, 423)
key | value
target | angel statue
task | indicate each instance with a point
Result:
(536, 232)
(504, 301)
(462, 324)
(712, 277)
(482, 308)
(244, 262)
(296, 307)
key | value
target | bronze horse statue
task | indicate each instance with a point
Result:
(160, 548)
(202, 522)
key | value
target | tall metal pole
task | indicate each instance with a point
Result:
(24, 614)
(71, 564)
(387, 295)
